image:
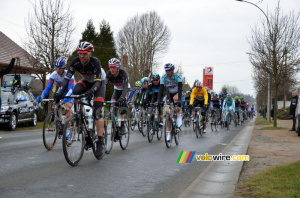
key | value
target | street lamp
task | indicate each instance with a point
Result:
(269, 26)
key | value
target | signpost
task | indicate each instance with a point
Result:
(208, 77)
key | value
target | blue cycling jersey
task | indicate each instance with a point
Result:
(171, 82)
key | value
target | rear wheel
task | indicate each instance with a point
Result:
(73, 141)
(132, 122)
(150, 129)
(159, 132)
(50, 131)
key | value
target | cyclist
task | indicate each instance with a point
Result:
(142, 93)
(199, 97)
(252, 110)
(229, 106)
(222, 97)
(237, 104)
(119, 78)
(153, 89)
(216, 104)
(58, 76)
(243, 106)
(134, 92)
(187, 98)
(173, 82)
(89, 86)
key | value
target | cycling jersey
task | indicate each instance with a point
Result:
(140, 96)
(216, 103)
(171, 82)
(200, 95)
(55, 77)
(133, 92)
(152, 89)
(237, 103)
(120, 82)
(243, 105)
(228, 103)
(91, 72)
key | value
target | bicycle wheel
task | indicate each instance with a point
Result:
(159, 131)
(198, 128)
(50, 131)
(168, 121)
(132, 122)
(124, 139)
(150, 129)
(73, 144)
(176, 135)
(110, 135)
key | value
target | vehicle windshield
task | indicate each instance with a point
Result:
(6, 96)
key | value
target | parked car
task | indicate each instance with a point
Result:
(18, 103)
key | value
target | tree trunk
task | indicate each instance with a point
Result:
(275, 106)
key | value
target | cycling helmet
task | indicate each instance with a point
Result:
(215, 95)
(138, 83)
(228, 95)
(85, 47)
(187, 92)
(156, 76)
(198, 84)
(114, 62)
(224, 88)
(60, 63)
(169, 66)
(236, 97)
(242, 97)
(145, 79)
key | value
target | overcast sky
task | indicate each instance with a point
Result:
(204, 32)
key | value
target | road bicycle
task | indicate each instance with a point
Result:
(53, 124)
(214, 119)
(153, 123)
(113, 125)
(198, 122)
(170, 123)
(79, 133)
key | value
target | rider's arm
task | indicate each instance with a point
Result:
(125, 84)
(71, 85)
(160, 93)
(97, 79)
(9, 68)
(224, 103)
(131, 95)
(193, 94)
(205, 96)
(48, 88)
(146, 99)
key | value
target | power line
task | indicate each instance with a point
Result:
(218, 63)
(234, 81)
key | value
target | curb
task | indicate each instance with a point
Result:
(219, 179)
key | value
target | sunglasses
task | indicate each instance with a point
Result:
(113, 67)
(155, 80)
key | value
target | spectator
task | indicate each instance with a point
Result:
(7, 70)
(293, 107)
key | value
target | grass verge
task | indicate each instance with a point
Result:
(281, 181)
(273, 128)
(262, 121)
(22, 127)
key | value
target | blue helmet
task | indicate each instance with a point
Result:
(145, 79)
(60, 63)
(156, 76)
(229, 95)
(187, 92)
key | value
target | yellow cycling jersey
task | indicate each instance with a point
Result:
(198, 93)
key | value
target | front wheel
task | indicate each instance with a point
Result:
(124, 139)
(12, 121)
(110, 135)
(73, 141)
(50, 131)
(132, 122)
(167, 122)
(34, 119)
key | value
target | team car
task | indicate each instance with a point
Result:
(18, 103)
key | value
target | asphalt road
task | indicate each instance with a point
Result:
(144, 169)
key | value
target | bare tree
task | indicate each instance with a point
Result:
(145, 38)
(49, 30)
(275, 49)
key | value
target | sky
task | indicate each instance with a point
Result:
(204, 33)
